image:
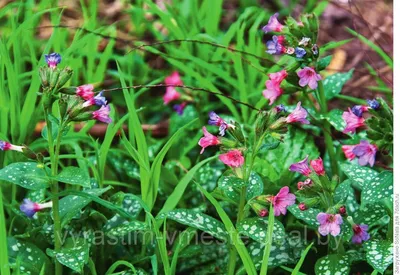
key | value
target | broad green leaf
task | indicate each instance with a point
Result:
(127, 227)
(70, 206)
(75, 176)
(371, 214)
(37, 195)
(255, 186)
(198, 220)
(324, 62)
(378, 189)
(295, 146)
(333, 264)
(334, 117)
(256, 228)
(26, 256)
(379, 254)
(131, 205)
(197, 255)
(344, 193)
(231, 186)
(309, 216)
(74, 254)
(28, 175)
(333, 84)
(279, 254)
(360, 175)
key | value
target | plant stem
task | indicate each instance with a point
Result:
(4, 268)
(326, 130)
(54, 152)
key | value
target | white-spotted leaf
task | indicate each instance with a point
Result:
(25, 174)
(333, 84)
(379, 254)
(75, 176)
(378, 189)
(256, 228)
(333, 264)
(359, 175)
(309, 216)
(127, 227)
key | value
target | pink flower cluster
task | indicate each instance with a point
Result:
(273, 85)
(172, 81)
(303, 168)
(86, 92)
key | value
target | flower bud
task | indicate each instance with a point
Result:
(302, 206)
(65, 75)
(278, 124)
(318, 166)
(342, 210)
(53, 79)
(68, 90)
(44, 76)
(259, 209)
(236, 132)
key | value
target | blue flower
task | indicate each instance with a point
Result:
(300, 52)
(52, 59)
(275, 45)
(374, 104)
(358, 110)
(29, 208)
(99, 99)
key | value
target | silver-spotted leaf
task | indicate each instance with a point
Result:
(75, 176)
(309, 216)
(25, 174)
(379, 254)
(333, 84)
(333, 264)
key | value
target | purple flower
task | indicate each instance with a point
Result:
(215, 119)
(30, 208)
(52, 59)
(179, 108)
(301, 167)
(103, 114)
(282, 200)
(360, 233)
(374, 104)
(300, 52)
(280, 108)
(358, 110)
(273, 24)
(365, 152)
(275, 46)
(329, 224)
(298, 115)
(352, 121)
(98, 100)
(309, 77)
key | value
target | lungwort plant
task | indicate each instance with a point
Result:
(255, 196)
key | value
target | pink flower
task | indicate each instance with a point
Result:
(365, 152)
(348, 151)
(103, 114)
(5, 146)
(301, 167)
(352, 121)
(282, 200)
(273, 24)
(171, 95)
(310, 77)
(85, 91)
(302, 206)
(30, 208)
(233, 158)
(329, 224)
(173, 79)
(208, 140)
(360, 233)
(318, 166)
(298, 115)
(273, 85)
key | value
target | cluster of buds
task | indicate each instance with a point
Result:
(379, 129)
(76, 103)
(172, 95)
(280, 202)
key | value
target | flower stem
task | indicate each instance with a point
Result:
(54, 153)
(326, 129)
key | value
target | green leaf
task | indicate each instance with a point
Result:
(379, 254)
(255, 186)
(279, 254)
(75, 176)
(74, 254)
(25, 174)
(371, 214)
(360, 175)
(197, 220)
(344, 193)
(333, 84)
(231, 185)
(26, 256)
(378, 189)
(334, 117)
(256, 228)
(333, 264)
(127, 227)
(324, 62)
(309, 216)
(333, 45)
(70, 206)
(131, 205)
